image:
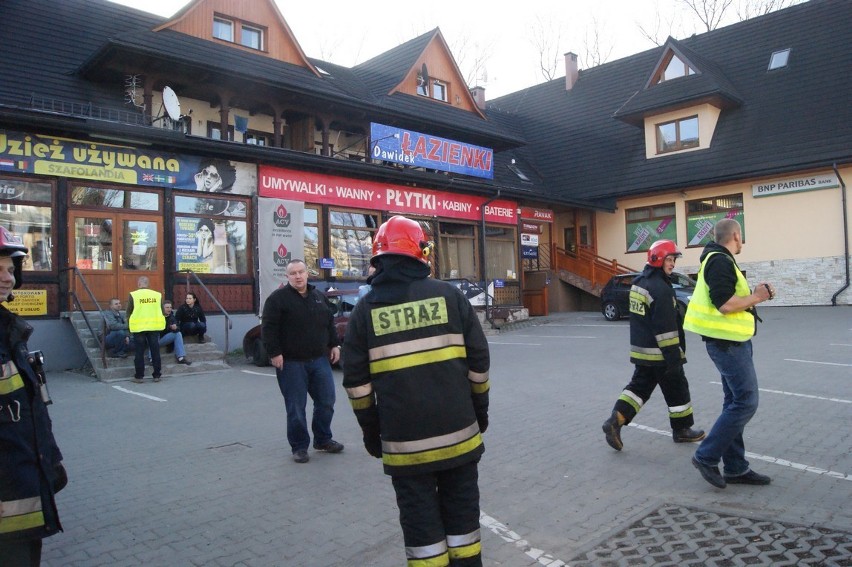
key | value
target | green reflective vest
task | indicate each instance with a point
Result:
(703, 318)
(147, 311)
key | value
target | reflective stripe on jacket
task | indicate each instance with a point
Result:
(655, 331)
(703, 318)
(147, 312)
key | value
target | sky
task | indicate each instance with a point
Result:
(348, 33)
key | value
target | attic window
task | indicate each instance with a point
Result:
(674, 68)
(677, 135)
(516, 170)
(779, 59)
(251, 37)
(223, 29)
(439, 91)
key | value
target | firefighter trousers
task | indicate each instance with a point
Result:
(439, 515)
(675, 390)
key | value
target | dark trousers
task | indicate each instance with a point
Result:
(439, 515)
(675, 390)
(24, 553)
(147, 340)
(198, 328)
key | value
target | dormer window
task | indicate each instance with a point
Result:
(223, 29)
(432, 88)
(439, 91)
(779, 59)
(234, 31)
(677, 135)
(673, 69)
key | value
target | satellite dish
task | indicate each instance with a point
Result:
(423, 78)
(172, 104)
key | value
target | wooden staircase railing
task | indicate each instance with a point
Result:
(585, 264)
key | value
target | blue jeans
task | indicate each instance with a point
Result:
(114, 341)
(147, 340)
(177, 338)
(196, 328)
(739, 384)
(297, 380)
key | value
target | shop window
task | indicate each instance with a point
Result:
(501, 254)
(312, 239)
(703, 214)
(677, 135)
(211, 235)
(351, 241)
(457, 251)
(99, 197)
(26, 211)
(646, 225)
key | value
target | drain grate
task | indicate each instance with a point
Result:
(678, 536)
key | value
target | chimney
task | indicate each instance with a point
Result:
(478, 97)
(571, 70)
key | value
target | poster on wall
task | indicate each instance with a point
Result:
(23, 152)
(280, 238)
(205, 245)
(640, 235)
(699, 228)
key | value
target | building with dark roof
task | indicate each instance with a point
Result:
(126, 134)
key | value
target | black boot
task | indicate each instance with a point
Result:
(687, 435)
(612, 430)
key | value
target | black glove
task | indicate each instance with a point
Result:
(61, 478)
(482, 420)
(372, 440)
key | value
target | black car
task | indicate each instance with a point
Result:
(341, 302)
(615, 297)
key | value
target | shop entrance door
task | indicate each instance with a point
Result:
(112, 250)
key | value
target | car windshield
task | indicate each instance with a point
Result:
(682, 280)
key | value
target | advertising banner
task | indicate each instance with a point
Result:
(49, 155)
(280, 238)
(281, 183)
(407, 147)
(640, 235)
(202, 245)
(699, 228)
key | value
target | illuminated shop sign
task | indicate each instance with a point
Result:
(280, 183)
(423, 150)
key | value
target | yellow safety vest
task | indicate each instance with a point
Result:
(703, 318)
(147, 311)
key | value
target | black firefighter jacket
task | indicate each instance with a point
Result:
(418, 365)
(656, 328)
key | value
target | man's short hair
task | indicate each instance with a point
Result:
(167, 302)
(724, 230)
(294, 261)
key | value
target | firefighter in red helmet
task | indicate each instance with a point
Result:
(31, 470)
(657, 349)
(416, 373)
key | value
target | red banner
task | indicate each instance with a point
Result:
(543, 215)
(280, 183)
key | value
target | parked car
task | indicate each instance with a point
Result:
(615, 297)
(341, 301)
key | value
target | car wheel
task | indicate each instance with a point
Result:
(258, 355)
(611, 312)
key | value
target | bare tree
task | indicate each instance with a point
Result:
(546, 39)
(709, 12)
(658, 31)
(748, 9)
(593, 53)
(472, 58)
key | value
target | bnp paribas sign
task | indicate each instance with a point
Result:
(793, 185)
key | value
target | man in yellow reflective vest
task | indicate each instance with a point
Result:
(146, 319)
(416, 372)
(722, 312)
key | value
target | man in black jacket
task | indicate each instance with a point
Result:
(416, 374)
(31, 470)
(297, 329)
(657, 346)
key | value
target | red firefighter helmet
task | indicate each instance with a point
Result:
(403, 236)
(11, 246)
(659, 250)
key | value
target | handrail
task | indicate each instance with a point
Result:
(586, 264)
(229, 325)
(72, 294)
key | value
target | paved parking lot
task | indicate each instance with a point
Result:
(196, 470)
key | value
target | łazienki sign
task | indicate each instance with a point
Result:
(281, 183)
